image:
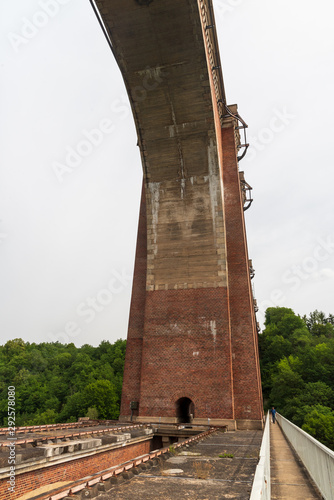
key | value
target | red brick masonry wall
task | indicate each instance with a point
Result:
(197, 343)
(133, 357)
(186, 353)
(244, 342)
(72, 470)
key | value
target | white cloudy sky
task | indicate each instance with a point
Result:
(67, 235)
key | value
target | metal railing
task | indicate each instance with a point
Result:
(317, 458)
(261, 483)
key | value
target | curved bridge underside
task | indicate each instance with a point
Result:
(184, 339)
(161, 54)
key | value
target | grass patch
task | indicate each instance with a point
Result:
(202, 469)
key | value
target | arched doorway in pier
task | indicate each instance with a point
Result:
(185, 410)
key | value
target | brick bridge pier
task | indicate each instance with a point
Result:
(192, 349)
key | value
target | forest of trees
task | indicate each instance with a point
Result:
(59, 383)
(297, 369)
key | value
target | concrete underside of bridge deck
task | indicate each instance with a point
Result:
(192, 340)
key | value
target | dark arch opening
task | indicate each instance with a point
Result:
(185, 410)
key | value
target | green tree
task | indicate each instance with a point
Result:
(14, 347)
(297, 368)
(92, 414)
(58, 383)
(318, 324)
(102, 396)
(319, 422)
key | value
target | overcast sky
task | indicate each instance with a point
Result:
(71, 172)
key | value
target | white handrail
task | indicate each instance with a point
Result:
(261, 484)
(317, 458)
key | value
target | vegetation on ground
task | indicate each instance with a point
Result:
(60, 383)
(297, 369)
(202, 469)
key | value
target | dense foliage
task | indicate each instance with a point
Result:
(297, 367)
(59, 383)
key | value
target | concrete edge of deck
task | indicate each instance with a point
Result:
(232, 425)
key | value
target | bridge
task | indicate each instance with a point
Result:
(191, 417)
(105, 460)
(192, 340)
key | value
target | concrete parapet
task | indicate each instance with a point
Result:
(141, 432)
(249, 424)
(55, 449)
(117, 438)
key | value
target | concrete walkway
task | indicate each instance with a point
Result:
(199, 472)
(289, 480)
